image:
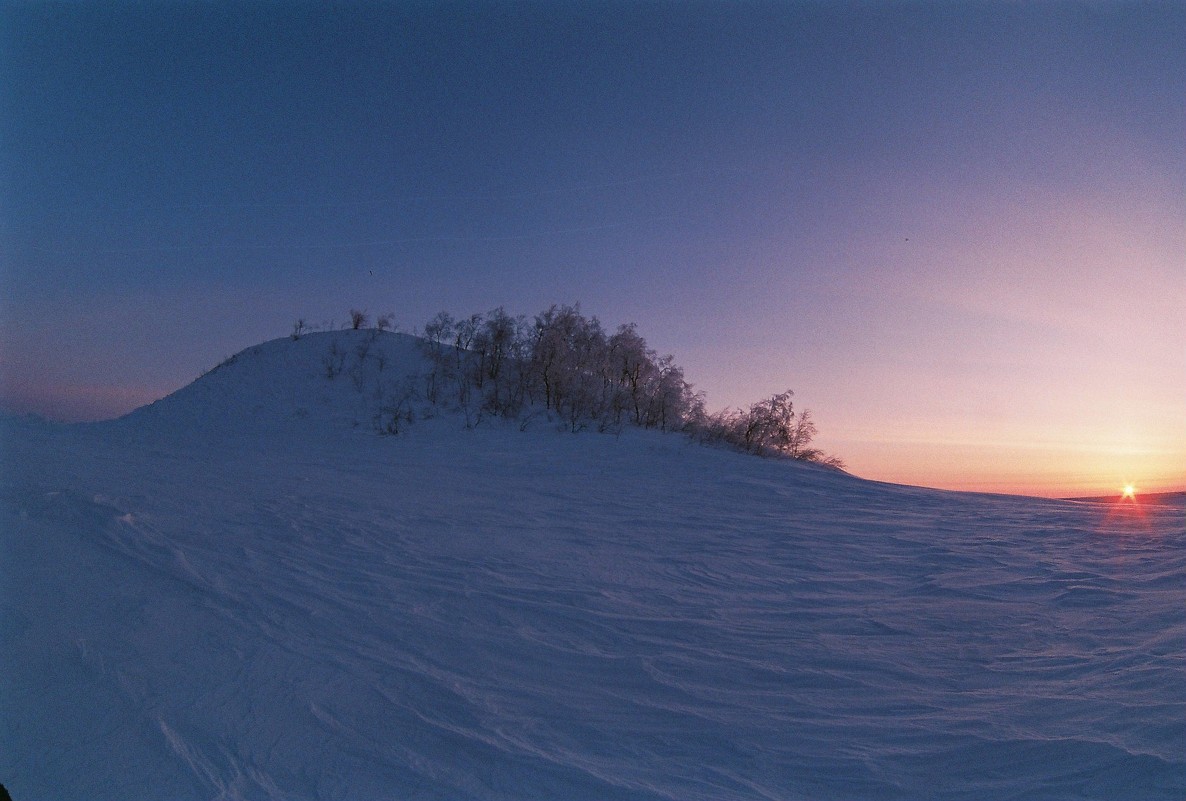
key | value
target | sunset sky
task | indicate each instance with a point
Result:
(957, 231)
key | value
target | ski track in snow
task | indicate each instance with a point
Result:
(499, 614)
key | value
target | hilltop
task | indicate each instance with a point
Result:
(560, 368)
(322, 380)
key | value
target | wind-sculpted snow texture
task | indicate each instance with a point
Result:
(321, 612)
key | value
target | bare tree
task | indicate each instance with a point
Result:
(439, 329)
(333, 361)
(437, 332)
(499, 354)
(395, 408)
(358, 319)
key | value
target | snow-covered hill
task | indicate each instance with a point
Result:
(242, 591)
(324, 380)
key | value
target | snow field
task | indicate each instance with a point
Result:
(224, 597)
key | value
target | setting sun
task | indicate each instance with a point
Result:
(1129, 491)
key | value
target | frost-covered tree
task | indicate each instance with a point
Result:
(769, 424)
(563, 364)
(802, 433)
(438, 336)
(497, 367)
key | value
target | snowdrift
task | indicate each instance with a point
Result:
(242, 591)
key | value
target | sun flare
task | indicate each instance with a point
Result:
(1129, 491)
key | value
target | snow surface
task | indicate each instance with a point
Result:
(242, 591)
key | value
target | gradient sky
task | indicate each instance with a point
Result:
(958, 231)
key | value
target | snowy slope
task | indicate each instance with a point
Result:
(224, 596)
(321, 382)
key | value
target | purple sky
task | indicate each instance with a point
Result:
(958, 231)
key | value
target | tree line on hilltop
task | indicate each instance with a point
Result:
(567, 367)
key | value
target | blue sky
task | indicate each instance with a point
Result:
(958, 231)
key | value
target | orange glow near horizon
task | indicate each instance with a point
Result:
(1051, 468)
(1126, 514)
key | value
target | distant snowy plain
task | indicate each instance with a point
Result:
(243, 591)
